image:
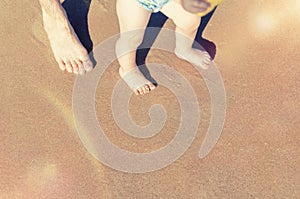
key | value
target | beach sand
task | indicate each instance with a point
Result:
(257, 155)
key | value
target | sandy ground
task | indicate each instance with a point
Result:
(257, 155)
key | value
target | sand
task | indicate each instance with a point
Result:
(257, 155)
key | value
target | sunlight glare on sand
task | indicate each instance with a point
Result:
(60, 106)
(296, 6)
(264, 23)
(40, 175)
(267, 19)
(67, 114)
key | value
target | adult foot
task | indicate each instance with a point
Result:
(136, 80)
(67, 49)
(195, 56)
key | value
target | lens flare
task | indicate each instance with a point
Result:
(40, 175)
(265, 22)
(66, 113)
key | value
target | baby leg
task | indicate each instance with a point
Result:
(186, 28)
(133, 19)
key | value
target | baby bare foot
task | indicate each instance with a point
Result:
(195, 56)
(67, 49)
(136, 80)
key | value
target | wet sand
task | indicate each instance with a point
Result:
(257, 155)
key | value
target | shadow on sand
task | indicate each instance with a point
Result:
(77, 11)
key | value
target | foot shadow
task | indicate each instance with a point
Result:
(209, 46)
(77, 12)
(157, 20)
(145, 71)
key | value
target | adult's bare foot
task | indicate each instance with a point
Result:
(67, 49)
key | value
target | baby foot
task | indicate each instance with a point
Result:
(67, 49)
(136, 81)
(195, 56)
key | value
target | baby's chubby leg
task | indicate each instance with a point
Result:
(133, 19)
(186, 29)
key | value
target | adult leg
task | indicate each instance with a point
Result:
(133, 19)
(67, 49)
